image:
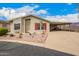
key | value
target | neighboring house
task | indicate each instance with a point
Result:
(4, 24)
(75, 26)
(32, 24)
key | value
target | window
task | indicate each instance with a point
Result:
(42, 26)
(37, 26)
(17, 26)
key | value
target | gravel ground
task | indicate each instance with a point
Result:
(18, 49)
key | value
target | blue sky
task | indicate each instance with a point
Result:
(52, 9)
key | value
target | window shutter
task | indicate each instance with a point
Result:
(45, 27)
(35, 27)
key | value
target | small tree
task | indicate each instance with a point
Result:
(3, 31)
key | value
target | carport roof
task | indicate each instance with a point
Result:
(60, 23)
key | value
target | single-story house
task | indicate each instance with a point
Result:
(30, 24)
(33, 24)
(4, 24)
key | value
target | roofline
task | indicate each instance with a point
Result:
(60, 23)
(30, 15)
(42, 19)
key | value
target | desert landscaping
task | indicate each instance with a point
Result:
(63, 41)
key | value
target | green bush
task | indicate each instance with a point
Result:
(3, 31)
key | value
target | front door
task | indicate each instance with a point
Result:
(27, 25)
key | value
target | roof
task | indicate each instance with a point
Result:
(2, 21)
(61, 23)
(42, 19)
(30, 16)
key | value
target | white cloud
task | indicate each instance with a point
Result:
(42, 12)
(10, 13)
(25, 10)
(22, 11)
(55, 19)
(67, 18)
(6, 12)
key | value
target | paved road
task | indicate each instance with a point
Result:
(18, 49)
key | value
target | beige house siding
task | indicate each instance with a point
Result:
(24, 24)
(15, 21)
(11, 27)
(37, 20)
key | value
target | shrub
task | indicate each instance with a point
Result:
(11, 35)
(3, 31)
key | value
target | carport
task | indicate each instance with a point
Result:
(56, 26)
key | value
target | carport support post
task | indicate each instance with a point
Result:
(60, 27)
(69, 27)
